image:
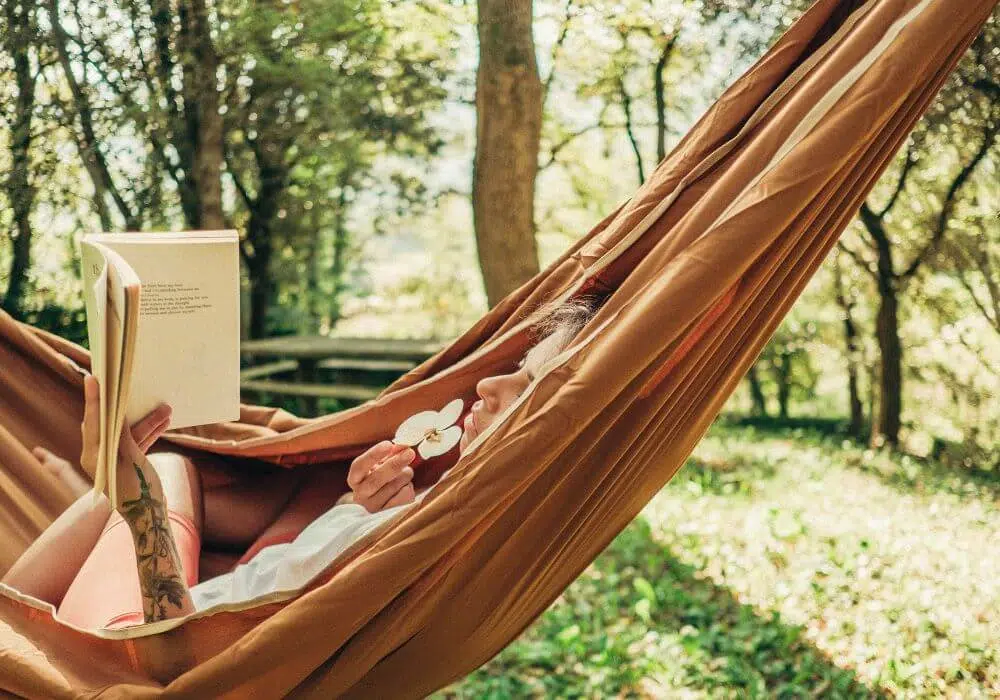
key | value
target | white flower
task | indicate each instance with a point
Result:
(432, 432)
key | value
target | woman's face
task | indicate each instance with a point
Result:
(498, 392)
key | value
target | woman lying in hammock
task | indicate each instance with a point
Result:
(169, 507)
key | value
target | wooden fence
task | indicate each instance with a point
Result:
(310, 368)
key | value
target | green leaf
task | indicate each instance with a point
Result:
(645, 588)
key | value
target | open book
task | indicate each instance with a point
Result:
(163, 322)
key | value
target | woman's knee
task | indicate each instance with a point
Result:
(181, 484)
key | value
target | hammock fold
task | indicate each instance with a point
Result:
(701, 266)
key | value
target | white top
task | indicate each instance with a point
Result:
(290, 566)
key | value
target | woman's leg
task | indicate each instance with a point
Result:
(46, 569)
(317, 492)
(231, 512)
(62, 470)
(181, 484)
(239, 508)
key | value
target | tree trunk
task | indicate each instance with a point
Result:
(630, 130)
(263, 211)
(19, 187)
(259, 271)
(508, 133)
(757, 392)
(856, 427)
(873, 398)
(208, 136)
(885, 425)
(87, 142)
(659, 92)
(313, 249)
(783, 377)
(339, 251)
(891, 369)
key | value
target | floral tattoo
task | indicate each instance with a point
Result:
(158, 562)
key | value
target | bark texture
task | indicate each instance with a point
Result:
(21, 193)
(508, 133)
(205, 122)
(852, 352)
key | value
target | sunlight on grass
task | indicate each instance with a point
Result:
(777, 566)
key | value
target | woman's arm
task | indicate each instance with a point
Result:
(143, 507)
(161, 577)
(47, 568)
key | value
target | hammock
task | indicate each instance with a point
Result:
(703, 263)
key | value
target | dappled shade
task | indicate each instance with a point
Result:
(702, 263)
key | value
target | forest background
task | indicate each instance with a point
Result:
(394, 168)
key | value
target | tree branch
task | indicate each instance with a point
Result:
(901, 185)
(560, 40)
(567, 140)
(941, 226)
(93, 158)
(856, 257)
(244, 195)
(627, 108)
(659, 90)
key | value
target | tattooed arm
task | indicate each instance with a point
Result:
(161, 578)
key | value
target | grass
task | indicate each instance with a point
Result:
(775, 565)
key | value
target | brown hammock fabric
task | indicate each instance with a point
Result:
(703, 262)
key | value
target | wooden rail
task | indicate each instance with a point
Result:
(350, 370)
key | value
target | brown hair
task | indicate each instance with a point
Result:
(564, 319)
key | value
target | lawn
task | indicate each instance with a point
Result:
(780, 564)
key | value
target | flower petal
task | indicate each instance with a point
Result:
(449, 414)
(446, 439)
(413, 429)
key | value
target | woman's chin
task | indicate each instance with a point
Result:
(468, 435)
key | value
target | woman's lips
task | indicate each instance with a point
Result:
(471, 424)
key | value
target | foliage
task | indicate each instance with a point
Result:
(368, 108)
(778, 565)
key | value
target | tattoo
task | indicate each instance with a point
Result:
(160, 577)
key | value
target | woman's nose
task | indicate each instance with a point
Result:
(486, 389)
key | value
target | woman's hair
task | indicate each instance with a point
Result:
(564, 319)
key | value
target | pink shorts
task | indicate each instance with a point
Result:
(105, 593)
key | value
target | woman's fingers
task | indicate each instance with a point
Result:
(403, 496)
(90, 428)
(146, 431)
(91, 407)
(388, 493)
(368, 460)
(391, 468)
(153, 436)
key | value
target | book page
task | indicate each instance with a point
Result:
(123, 290)
(95, 297)
(188, 334)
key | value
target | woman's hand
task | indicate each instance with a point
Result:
(381, 477)
(134, 442)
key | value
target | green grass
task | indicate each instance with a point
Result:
(775, 565)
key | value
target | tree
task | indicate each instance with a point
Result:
(786, 361)
(757, 396)
(974, 250)
(316, 94)
(508, 133)
(845, 299)
(18, 45)
(217, 113)
(148, 68)
(891, 278)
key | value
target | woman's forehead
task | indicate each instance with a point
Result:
(547, 348)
